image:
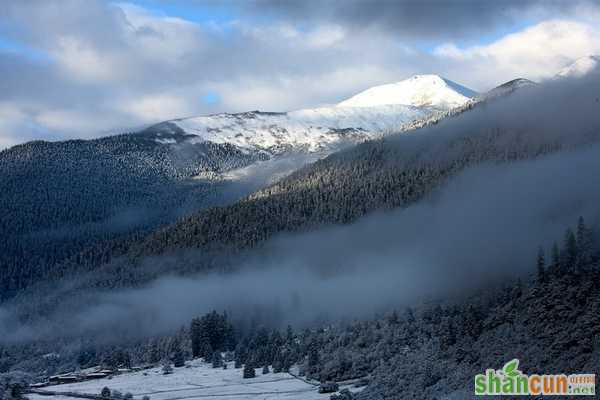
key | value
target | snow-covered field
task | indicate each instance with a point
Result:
(196, 380)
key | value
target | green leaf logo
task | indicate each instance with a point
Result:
(510, 368)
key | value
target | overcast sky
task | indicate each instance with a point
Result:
(86, 68)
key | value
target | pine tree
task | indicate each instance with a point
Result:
(277, 365)
(178, 358)
(196, 337)
(541, 266)
(313, 359)
(105, 393)
(555, 256)
(217, 360)
(167, 369)
(249, 371)
(584, 244)
(570, 250)
(205, 350)
(289, 336)
(237, 362)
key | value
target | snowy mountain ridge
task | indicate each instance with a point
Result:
(580, 67)
(367, 115)
(310, 130)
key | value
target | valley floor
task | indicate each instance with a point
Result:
(197, 380)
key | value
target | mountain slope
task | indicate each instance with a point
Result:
(507, 88)
(417, 91)
(59, 198)
(580, 67)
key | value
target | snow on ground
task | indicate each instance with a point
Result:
(197, 380)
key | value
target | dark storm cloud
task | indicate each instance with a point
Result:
(417, 19)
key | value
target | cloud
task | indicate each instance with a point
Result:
(421, 20)
(108, 66)
(537, 52)
(158, 106)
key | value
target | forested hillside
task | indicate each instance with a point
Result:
(59, 198)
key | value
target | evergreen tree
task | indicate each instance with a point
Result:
(237, 362)
(313, 359)
(584, 243)
(217, 360)
(277, 366)
(206, 350)
(105, 393)
(249, 371)
(166, 368)
(178, 358)
(541, 266)
(196, 337)
(289, 335)
(555, 256)
(265, 370)
(570, 250)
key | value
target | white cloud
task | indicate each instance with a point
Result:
(82, 62)
(156, 107)
(68, 121)
(326, 36)
(536, 53)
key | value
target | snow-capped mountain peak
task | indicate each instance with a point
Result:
(580, 67)
(507, 88)
(417, 91)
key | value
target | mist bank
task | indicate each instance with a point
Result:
(481, 227)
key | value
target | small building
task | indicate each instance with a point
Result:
(64, 379)
(328, 387)
(361, 382)
(95, 375)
